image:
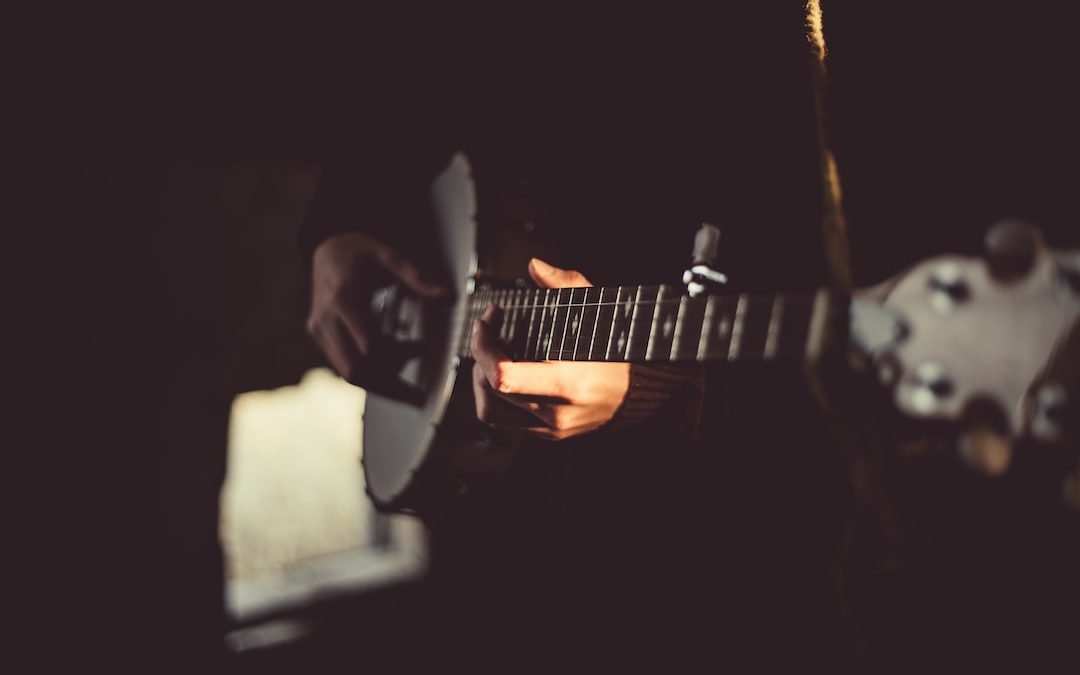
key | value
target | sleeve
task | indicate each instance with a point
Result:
(670, 395)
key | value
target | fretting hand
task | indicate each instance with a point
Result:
(551, 400)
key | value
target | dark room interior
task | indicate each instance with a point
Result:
(657, 454)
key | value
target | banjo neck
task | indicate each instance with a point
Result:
(651, 323)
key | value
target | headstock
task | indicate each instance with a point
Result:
(991, 344)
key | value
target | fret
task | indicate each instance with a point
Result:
(524, 325)
(551, 310)
(589, 312)
(756, 317)
(641, 323)
(466, 330)
(532, 299)
(504, 316)
(515, 314)
(794, 327)
(558, 325)
(485, 301)
(571, 323)
(620, 326)
(568, 320)
(772, 334)
(737, 329)
(470, 320)
(521, 328)
(536, 313)
(471, 314)
(688, 328)
(662, 330)
(819, 315)
(494, 300)
(504, 324)
(605, 315)
(519, 312)
(717, 327)
(707, 327)
(543, 330)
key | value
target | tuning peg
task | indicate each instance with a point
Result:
(702, 276)
(1070, 275)
(948, 287)
(1011, 248)
(1048, 412)
(929, 387)
(985, 444)
(984, 449)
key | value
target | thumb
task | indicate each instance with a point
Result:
(548, 276)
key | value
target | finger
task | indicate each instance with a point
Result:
(547, 421)
(562, 417)
(486, 348)
(356, 327)
(549, 276)
(526, 379)
(497, 412)
(408, 274)
(492, 316)
(505, 376)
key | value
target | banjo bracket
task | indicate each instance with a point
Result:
(702, 277)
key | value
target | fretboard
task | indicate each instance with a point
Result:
(648, 323)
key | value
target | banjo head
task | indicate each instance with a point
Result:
(398, 433)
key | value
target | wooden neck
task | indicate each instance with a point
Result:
(648, 323)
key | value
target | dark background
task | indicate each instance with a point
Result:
(159, 166)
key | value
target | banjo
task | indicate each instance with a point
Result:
(952, 335)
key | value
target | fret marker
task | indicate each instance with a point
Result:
(574, 326)
(669, 326)
(737, 329)
(724, 327)
(628, 307)
(621, 344)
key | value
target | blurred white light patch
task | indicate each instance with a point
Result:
(295, 487)
(296, 525)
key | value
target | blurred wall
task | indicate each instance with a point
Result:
(163, 290)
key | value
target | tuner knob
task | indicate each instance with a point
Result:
(1070, 277)
(932, 385)
(1011, 249)
(702, 276)
(1048, 412)
(948, 287)
(985, 444)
